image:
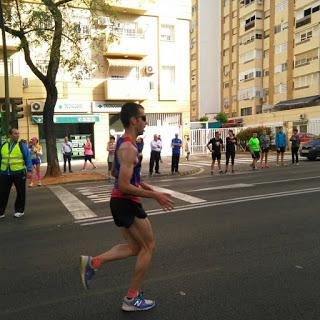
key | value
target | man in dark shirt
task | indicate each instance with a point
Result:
(231, 142)
(215, 149)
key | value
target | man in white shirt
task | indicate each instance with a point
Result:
(155, 146)
(66, 150)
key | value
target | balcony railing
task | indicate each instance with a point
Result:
(126, 89)
(249, 25)
(303, 21)
(131, 6)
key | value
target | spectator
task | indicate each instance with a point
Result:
(155, 146)
(254, 146)
(15, 161)
(66, 150)
(176, 145)
(187, 149)
(140, 145)
(160, 141)
(295, 145)
(231, 142)
(281, 144)
(111, 147)
(35, 152)
(265, 141)
(215, 149)
(88, 154)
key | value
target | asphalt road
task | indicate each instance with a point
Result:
(242, 246)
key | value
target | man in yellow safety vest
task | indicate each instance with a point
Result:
(15, 161)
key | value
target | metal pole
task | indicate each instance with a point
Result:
(6, 73)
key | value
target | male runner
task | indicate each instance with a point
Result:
(128, 213)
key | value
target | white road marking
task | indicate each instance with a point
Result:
(178, 195)
(76, 208)
(187, 207)
(230, 186)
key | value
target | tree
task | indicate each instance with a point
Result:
(222, 118)
(52, 25)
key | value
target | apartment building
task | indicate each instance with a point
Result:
(271, 61)
(149, 63)
(205, 58)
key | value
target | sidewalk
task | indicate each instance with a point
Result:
(101, 172)
(186, 168)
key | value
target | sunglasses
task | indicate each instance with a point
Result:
(143, 118)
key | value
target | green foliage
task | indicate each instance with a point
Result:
(221, 117)
(204, 118)
(246, 134)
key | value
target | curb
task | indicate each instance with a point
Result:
(84, 177)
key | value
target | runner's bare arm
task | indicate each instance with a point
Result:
(127, 156)
(145, 186)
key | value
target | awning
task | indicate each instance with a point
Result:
(297, 103)
(128, 63)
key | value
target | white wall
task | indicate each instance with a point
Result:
(209, 56)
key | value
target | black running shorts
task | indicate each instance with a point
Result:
(216, 156)
(124, 211)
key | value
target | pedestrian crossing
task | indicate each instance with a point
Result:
(102, 194)
(97, 194)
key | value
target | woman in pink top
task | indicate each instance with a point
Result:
(88, 153)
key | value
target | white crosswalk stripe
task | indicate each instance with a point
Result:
(100, 194)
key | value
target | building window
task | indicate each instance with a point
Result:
(266, 72)
(280, 88)
(167, 32)
(225, 52)
(277, 28)
(267, 34)
(226, 85)
(282, 47)
(258, 109)
(246, 111)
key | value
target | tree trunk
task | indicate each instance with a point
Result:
(53, 168)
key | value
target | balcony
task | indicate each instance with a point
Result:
(255, 24)
(253, 6)
(306, 45)
(15, 87)
(138, 7)
(303, 21)
(127, 47)
(306, 66)
(126, 89)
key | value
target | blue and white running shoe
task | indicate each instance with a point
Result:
(86, 271)
(139, 303)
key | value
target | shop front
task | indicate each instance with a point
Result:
(76, 127)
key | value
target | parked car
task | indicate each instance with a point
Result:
(311, 149)
(305, 136)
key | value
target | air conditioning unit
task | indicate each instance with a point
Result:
(25, 82)
(37, 106)
(302, 116)
(103, 21)
(149, 70)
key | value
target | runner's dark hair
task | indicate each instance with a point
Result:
(129, 110)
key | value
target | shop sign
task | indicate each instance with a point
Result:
(106, 107)
(67, 106)
(68, 119)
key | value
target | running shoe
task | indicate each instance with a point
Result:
(2, 216)
(18, 214)
(139, 303)
(86, 271)
(39, 184)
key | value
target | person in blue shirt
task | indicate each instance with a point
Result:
(15, 160)
(281, 144)
(176, 145)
